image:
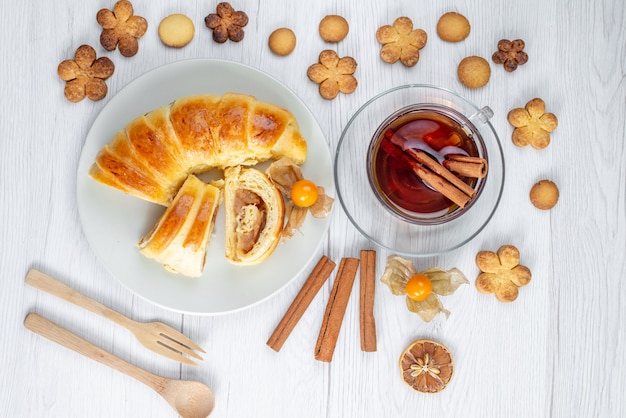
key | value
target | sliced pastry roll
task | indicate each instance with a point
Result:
(180, 238)
(254, 213)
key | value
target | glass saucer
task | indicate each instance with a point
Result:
(364, 208)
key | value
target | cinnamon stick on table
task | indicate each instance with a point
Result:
(366, 307)
(303, 299)
(336, 309)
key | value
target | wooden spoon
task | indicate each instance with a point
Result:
(189, 398)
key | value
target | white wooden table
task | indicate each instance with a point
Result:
(559, 350)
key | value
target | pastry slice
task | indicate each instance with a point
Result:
(180, 238)
(254, 213)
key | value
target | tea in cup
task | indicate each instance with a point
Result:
(427, 163)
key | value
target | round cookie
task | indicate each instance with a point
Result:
(453, 27)
(282, 41)
(176, 30)
(544, 195)
(474, 72)
(333, 28)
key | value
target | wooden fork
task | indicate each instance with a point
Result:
(155, 336)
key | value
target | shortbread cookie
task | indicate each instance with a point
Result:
(544, 194)
(282, 41)
(333, 28)
(453, 27)
(474, 72)
(176, 30)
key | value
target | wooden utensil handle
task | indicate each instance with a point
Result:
(60, 335)
(50, 285)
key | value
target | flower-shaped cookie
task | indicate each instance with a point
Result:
(401, 42)
(226, 23)
(532, 124)
(398, 273)
(121, 29)
(510, 54)
(333, 74)
(501, 273)
(85, 75)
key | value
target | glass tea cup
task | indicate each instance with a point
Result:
(369, 203)
(439, 131)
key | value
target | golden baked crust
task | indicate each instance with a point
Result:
(180, 238)
(254, 214)
(453, 27)
(474, 72)
(155, 153)
(501, 273)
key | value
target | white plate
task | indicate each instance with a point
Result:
(114, 222)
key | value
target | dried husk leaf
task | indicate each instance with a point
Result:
(427, 309)
(445, 282)
(295, 218)
(397, 272)
(322, 206)
(284, 173)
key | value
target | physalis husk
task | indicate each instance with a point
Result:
(399, 270)
(284, 173)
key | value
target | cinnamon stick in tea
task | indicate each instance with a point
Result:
(303, 299)
(423, 158)
(336, 309)
(437, 182)
(466, 166)
(367, 281)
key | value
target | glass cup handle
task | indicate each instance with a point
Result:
(481, 117)
(477, 120)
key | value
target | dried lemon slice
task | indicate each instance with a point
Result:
(426, 366)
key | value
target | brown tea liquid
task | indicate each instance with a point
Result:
(428, 130)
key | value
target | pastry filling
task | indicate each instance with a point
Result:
(251, 216)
